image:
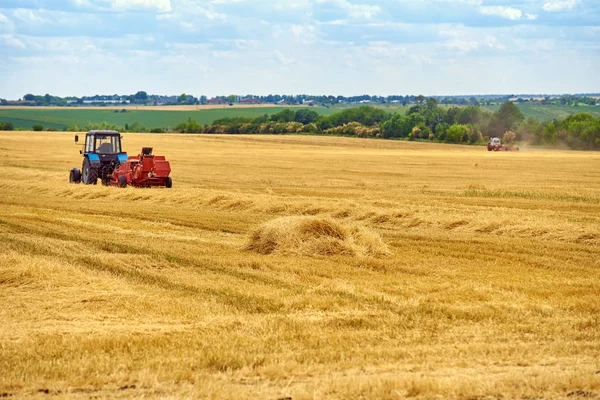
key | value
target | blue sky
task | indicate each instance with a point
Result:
(348, 47)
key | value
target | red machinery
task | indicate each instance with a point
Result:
(495, 145)
(143, 170)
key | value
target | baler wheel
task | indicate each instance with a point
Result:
(169, 182)
(122, 181)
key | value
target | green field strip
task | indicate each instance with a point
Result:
(551, 112)
(62, 118)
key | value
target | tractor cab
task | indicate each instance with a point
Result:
(102, 153)
(102, 142)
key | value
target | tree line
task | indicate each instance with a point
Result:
(6, 126)
(143, 98)
(426, 120)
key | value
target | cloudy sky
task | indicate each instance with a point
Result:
(348, 47)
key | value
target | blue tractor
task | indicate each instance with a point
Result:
(101, 155)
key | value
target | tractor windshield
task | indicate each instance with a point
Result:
(108, 144)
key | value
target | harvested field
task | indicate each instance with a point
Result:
(250, 278)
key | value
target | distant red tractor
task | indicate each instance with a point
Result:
(495, 145)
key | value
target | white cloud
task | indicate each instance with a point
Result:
(124, 5)
(469, 2)
(27, 16)
(164, 17)
(419, 59)
(464, 46)
(30, 60)
(291, 4)
(189, 46)
(188, 26)
(559, 5)
(384, 49)
(283, 59)
(211, 14)
(305, 33)
(191, 15)
(531, 17)
(11, 41)
(461, 46)
(493, 43)
(354, 10)
(6, 25)
(502, 11)
(247, 44)
(224, 54)
(363, 11)
(81, 3)
(339, 22)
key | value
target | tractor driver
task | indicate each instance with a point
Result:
(105, 145)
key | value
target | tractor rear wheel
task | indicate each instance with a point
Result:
(89, 175)
(169, 182)
(75, 176)
(122, 181)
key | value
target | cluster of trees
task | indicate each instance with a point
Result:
(578, 131)
(287, 121)
(6, 126)
(426, 120)
(140, 97)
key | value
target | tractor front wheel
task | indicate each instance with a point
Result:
(122, 181)
(89, 175)
(75, 176)
(169, 182)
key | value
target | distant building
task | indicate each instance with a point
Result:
(102, 101)
(251, 100)
(216, 100)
